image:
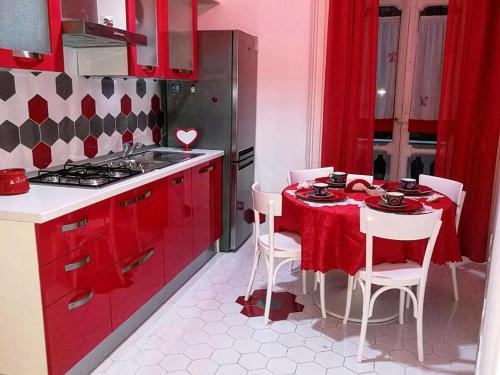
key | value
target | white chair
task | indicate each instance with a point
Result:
(364, 177)
(400, 276)
(454, 191)
(282, 246)
(294, 177)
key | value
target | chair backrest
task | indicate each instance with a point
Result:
(364, 177)
(452, 189)
(294, 177)
(269, 204)
(400, 228)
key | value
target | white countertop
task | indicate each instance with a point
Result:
(46, 202)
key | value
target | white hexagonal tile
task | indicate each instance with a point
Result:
(283, 326)
(300, 354)
(257, 322)
(340, 371)
(148, 342)
(124, 353)
(281, 366)
(307, 331)
(149, 357)
(212, 316)
(123, 368)
(199, 351)
(235, 319)
(203, 367)
(240, 332)
(389, 368)
(231, 370)
(260, 372)
(218, 279)
(169, 332)
(345, 348)
(329, 359)
(358, 367)
(291, 340)
(208, 304)
(273, 350)
(151, 370)
(253, 361)
(265, 335)
(220, 341)
(175, 362)
(189, 312)
(192, 324)
(216, 328)
(173, 346)
(318, 344)
(310, 368)
(225, 297)
(230, 308)
(246, 345)
(225, 356)
(195, 337)
(187, 301)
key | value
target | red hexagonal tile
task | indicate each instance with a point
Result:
(88, 107)
(126, 104)
(90, 147)
(155, 104)
(156, 135)
(42, 155)
(282, 304)
(38, 109)
(127, 137)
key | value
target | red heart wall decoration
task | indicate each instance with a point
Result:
(186, 137)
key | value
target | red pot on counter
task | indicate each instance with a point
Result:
(13, 181)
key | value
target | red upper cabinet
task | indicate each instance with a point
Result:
(30, 36)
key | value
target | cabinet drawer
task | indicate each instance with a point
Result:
(77, 323)
(74, 269)
(58, 237)
(137, 278)
(137, 217)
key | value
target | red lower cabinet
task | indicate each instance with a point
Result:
(77, 323)
(207, 204)
(179, 231)
(136, 279)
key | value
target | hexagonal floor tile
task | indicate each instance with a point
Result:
(253, 361)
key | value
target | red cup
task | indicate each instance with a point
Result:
(13, 181)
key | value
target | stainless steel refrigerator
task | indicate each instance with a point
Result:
(222, 106)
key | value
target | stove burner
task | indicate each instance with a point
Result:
(119, 174)
(94, 181)
(50, 178)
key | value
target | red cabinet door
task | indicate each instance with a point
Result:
(58, 237)
(137, 217)
(74, 269)
(137, 278)
(53, 61)
(77, 323)
(207, 204)
(179, 230)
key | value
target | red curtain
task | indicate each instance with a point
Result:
(351, 68)
(469, 123)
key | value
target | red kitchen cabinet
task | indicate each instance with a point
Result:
(74, 269)
(38, 53)
(58, 237)
(207, 204)
(179, 230)
(137, 217)
(77, 323)
(136, 279)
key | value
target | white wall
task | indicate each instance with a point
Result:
(284, 31)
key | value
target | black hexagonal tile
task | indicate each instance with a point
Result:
(7, 85)
(66, 129)
(82, 128)
(109, 124)
(142, 121)
(132, 122)
(108, 87)
(64, 86)
(30, 133)
(49, 131)
(140, 87)
(121, 123)
(9, 136)
(96, 127)
(160, 119)
(152, 119)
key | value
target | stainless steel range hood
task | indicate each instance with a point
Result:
(81, 27)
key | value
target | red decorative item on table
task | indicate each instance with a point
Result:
(409, 205)
(186, 137)
(13, 181)
(330, 197)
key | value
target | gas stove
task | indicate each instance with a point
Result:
(85, 175)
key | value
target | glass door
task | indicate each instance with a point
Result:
(410, 54)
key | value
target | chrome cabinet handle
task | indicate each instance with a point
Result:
(138, 262)
(27, 55)
(210, 168)
(178, 181)
(81, 302)
(76, 265)
(137, 199)
(73, 226)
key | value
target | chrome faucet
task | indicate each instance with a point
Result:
(129, 148)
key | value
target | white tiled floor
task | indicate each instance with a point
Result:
(200, 331)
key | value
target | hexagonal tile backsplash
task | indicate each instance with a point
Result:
(47, 118)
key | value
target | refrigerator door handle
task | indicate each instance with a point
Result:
(245, 164)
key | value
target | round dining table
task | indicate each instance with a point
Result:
(333, 244)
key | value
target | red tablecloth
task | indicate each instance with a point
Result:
(331, 238)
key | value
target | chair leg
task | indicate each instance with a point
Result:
(350, 281)
(304, 282)
(322, 294)
(408, 299)
(252, 275)
(291, 265)
(269, 293)
(364, 320)
(454, 280)
(420, 318)
(316, 280)
(402, 295)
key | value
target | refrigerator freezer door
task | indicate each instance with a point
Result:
(242, 176)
